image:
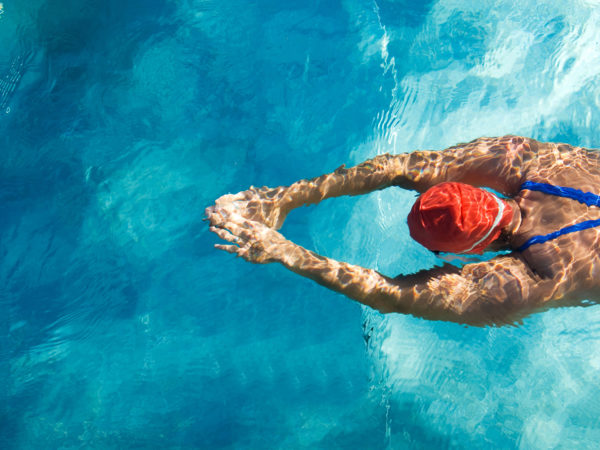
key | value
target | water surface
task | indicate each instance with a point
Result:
(124, 328)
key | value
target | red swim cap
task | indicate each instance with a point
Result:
(458, 218)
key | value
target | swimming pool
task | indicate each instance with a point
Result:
(123, 327)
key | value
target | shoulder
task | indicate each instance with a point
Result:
(510, 280)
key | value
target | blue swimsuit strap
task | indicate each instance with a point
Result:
(586, 198)
(582, 197)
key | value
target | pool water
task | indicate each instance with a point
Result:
(122, 326)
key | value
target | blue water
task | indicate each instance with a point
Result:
(121, 325)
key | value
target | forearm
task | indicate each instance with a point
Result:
(410, 294)
(371, 175)
(366, 286)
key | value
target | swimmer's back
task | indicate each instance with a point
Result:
(572, 259)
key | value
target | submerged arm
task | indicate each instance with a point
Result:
(497, 291)
(498, 163)
(270, 206)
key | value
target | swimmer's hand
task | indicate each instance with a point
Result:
(263, 205)
(253, 241)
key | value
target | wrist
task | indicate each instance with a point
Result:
(289, 254)
(286, 201)
(296, 195)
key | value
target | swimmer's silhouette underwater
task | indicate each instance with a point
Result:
(548, 216)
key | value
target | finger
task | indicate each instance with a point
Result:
(240, 227)
(245, 252)
(225, 234)
(218, 218)
(228, 248)
(208, 212)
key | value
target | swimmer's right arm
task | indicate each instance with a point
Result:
(498, 163)
(270, 206)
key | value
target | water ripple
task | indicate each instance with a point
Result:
(9, 81)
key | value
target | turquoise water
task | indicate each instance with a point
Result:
(122, 327)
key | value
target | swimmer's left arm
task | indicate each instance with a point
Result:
(260, 244)
(496, 291)
(499, 291)
(493, 292)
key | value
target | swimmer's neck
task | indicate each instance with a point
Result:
(508, 232)
(513, 227)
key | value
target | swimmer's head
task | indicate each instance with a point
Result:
(458, 218)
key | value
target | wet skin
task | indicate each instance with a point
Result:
(560, 272)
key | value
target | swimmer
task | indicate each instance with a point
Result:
(547, 215)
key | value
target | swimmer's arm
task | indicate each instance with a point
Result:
(374, 174)
(270, 206)
(499, 291)
(498, 163)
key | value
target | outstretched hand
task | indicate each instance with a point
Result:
(253, 241)
(263, 205)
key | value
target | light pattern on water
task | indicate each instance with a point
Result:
(123, 327)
